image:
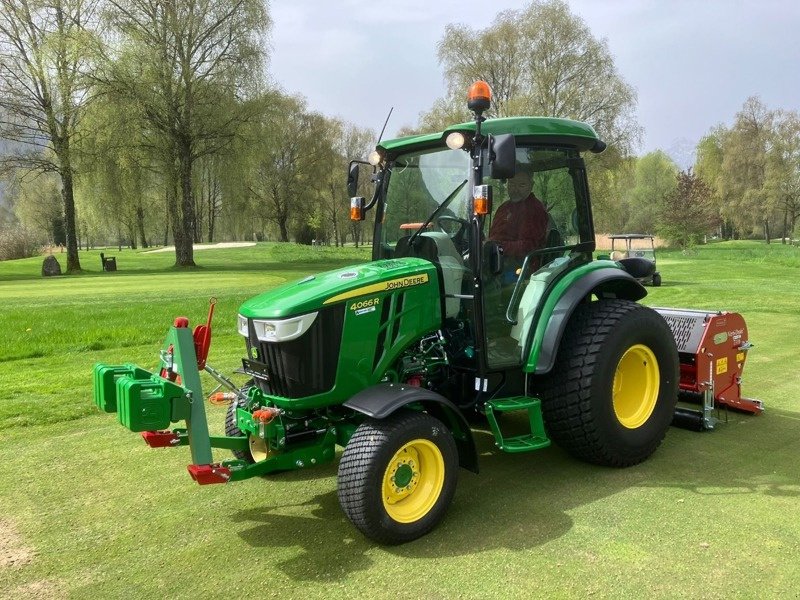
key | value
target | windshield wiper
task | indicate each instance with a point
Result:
(436, 212)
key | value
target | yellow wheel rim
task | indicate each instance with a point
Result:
(413, 481)
(258, 448)
(635, 389)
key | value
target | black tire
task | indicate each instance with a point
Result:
(374, 458)
(591, 414)
(232, 429)
(656, 279)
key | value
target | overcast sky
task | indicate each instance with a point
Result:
(693, 63)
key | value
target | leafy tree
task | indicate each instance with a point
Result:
(609, 188)
(655, 179)
(290, 163)
(746, 204)
(349, 142)
(688, 213)
(38, 207)
(184, 66)
(782, 177)
(539, 60)
(708, 167)
(45, 50)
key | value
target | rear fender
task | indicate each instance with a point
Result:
(380, 401)
(605, 282)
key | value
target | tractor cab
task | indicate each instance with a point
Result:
(538, 226)
(501, 208)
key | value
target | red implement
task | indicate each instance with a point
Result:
(712, 349)
(207, 474)
(161, 439)
(202, 337)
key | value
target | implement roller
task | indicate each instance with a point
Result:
(712, 347)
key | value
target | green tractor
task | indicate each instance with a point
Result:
(394, 360)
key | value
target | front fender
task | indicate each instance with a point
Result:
(603, 281)
(380, 401)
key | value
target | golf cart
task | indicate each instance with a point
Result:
(637, 253)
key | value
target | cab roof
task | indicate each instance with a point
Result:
(542, 129)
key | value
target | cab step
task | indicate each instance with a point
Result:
(525, 442)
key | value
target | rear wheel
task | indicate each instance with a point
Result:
(611, 395)
(656, 279)
(398, 476)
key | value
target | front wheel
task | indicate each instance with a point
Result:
(397, 476)
(612, 393)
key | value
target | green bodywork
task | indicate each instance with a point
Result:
(367, 293)
(560, 288)
(581, 135)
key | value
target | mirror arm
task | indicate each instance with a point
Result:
(378, 186)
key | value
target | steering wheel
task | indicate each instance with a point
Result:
(459, 237)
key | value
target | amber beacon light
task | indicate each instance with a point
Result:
(479, 96)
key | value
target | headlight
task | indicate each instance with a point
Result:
(278, 330)
(241, 326)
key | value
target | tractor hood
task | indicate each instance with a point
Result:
(324, 289)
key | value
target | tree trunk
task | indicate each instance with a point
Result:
(785, 225)
(67, 194)
(766, 230)
(140, 226)
(213, 187)
(169, 199)
(282, 226)
(184, 249)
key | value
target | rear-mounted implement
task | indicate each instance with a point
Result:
(712, 347)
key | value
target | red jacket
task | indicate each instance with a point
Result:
(520, 227)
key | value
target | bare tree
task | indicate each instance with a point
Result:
(44, 53)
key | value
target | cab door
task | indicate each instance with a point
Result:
(513, 292)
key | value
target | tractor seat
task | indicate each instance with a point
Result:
(438, 248)
(638, 267)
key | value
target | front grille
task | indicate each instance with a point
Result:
(304, 366)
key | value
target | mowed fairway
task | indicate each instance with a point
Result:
(88, 511)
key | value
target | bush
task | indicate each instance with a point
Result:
(304, 234)
(17, 242)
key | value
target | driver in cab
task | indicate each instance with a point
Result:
(520, 223)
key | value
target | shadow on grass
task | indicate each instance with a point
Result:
(523, 501)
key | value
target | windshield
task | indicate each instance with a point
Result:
(420, 182)
(538, 220)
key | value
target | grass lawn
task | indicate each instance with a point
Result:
(87, 510)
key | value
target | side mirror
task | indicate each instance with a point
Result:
(352, 179)
(502, 156)
(493, 257)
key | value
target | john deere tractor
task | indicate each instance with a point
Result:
(396, 359)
